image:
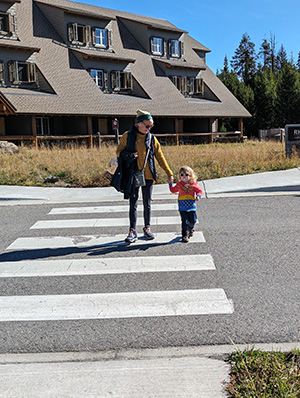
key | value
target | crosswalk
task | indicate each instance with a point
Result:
(117, 304)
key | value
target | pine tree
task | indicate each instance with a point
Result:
(264, 98)
(281, 58)
(265, 55)
(244, 60)
(288, 96)
(298, 62)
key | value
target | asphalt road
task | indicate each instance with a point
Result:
(254, 242)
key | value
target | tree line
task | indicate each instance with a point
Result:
(266, 82)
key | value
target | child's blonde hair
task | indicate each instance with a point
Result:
(190, 171)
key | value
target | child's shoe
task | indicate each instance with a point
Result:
(185, 239)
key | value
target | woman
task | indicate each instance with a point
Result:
(134, 144)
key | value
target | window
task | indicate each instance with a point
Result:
(174, 48)
(121, 80)
(80, 34)
(157, 46)
(2, 76)
(98, 77)
(188, 85)
(100, 37)
(4, 22)
(7, 23)
(199, 86)
(21, 72)
(42, 125)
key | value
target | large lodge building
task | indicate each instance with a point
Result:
(69, 69)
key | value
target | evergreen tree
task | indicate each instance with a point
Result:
(244, 60)
(265, 55)
(288, 96)
(273, 52)
(298, 62)
(264, 98)
(281, 58)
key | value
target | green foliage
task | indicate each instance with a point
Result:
(267, 84)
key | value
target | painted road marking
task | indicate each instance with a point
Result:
(114, 305)
(110, 209)
(97, 241)
(102, 222)
(125, 265)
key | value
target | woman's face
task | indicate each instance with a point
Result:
(145, 126)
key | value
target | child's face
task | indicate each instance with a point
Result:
(185, 176)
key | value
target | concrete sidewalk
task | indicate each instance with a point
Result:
(178, 372)
(286, 182)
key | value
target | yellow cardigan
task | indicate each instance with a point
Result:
(141, 150)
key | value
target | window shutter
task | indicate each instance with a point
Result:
(87, 34)
(113, 79)
(12, 71)
(128, 80)
(31, 68)
(109, 35)
(105, 79)
(12, 23)
(175, 80)
(71, 36)
(1, 71)
(191, 85)
(170, 47)
(151, 45)
(93, 36)
(164, 47)
(181, 48)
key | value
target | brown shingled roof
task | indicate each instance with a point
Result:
(77, 94)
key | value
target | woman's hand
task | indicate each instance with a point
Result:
(135, 154)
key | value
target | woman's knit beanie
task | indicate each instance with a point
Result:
(143, 115)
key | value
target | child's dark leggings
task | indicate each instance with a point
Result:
(188, 221)
(133, 203)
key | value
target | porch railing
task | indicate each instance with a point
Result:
(97, 138)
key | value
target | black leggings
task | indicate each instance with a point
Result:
(133, 204)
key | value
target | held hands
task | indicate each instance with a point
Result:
(135, 154)
(170, 179)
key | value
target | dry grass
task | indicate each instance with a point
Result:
(84, 167)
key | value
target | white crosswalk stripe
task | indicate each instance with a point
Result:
(50, 242)
(109, 209)
(101, 222)
(114, 305)
(106, 266)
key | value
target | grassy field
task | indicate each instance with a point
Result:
(264, 374)
(85, 167)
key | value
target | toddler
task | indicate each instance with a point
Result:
(188, 192)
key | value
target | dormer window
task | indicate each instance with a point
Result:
(98, 76)
(174, 48)
(7, 23)
(157, 46)
(121, 80)
(189, 86)
(100, 37)
(80, 34)
(21, 72)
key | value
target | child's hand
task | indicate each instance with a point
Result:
(198, 197)
(170, 180)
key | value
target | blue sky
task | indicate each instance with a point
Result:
(220, 24)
